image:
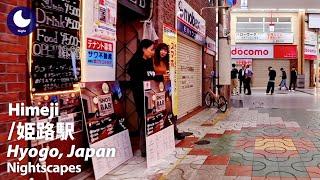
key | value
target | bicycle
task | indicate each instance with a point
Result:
(217, 100)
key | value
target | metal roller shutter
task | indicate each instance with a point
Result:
(189, 76)
(260, 69)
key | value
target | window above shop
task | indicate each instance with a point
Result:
(256, 19)
(261, 24)
(242, 19)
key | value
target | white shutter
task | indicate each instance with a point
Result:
(189, 76)
(260, 70)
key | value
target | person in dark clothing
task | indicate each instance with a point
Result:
(293, 79)
(234, 80)
(248, 77)
(271, 82)
(283, 80)
(241, 77)
(140, 68)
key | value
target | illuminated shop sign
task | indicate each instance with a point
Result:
(189, 22)
(252, 51)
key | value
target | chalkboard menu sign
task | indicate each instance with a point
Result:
(55, 45)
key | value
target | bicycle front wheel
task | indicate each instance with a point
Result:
(208, 100)
(222, 104)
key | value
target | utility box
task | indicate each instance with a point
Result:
(301, 81)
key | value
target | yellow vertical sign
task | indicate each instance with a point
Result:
(170, 38)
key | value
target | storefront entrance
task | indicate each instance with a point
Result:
(189, 72)
(260, 69)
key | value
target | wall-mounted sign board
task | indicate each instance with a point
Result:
(55, 45)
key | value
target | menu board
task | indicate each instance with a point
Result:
(103, 107)
(159, 126)
(158, 106)
(55, 45)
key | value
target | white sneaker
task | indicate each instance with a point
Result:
(293, 90)
(289, 90)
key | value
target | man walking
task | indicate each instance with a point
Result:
(248, 77)
(293, 79)
(241, 78)
(234, 80)
(283, 80)
(271, 82)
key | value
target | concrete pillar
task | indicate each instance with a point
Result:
(224, 56)
(224, 45)
(301, 18)
(224, 62)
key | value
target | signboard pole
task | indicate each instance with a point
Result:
(217, 48)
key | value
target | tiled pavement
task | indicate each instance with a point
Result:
(245, 143)
(312, 91)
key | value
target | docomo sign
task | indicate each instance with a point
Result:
(254, 51)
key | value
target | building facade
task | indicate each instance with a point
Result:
(279, 39)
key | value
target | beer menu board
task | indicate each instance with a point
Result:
(55, 45)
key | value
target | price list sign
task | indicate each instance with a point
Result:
(55, 45)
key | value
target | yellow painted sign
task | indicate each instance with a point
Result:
(170, 38)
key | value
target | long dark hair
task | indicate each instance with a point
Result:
(158, 59)
(138, 55)
(144, 44)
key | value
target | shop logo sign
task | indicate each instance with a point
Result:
(249, 51)
(21, 21)
(105, 105)
(189, 22)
